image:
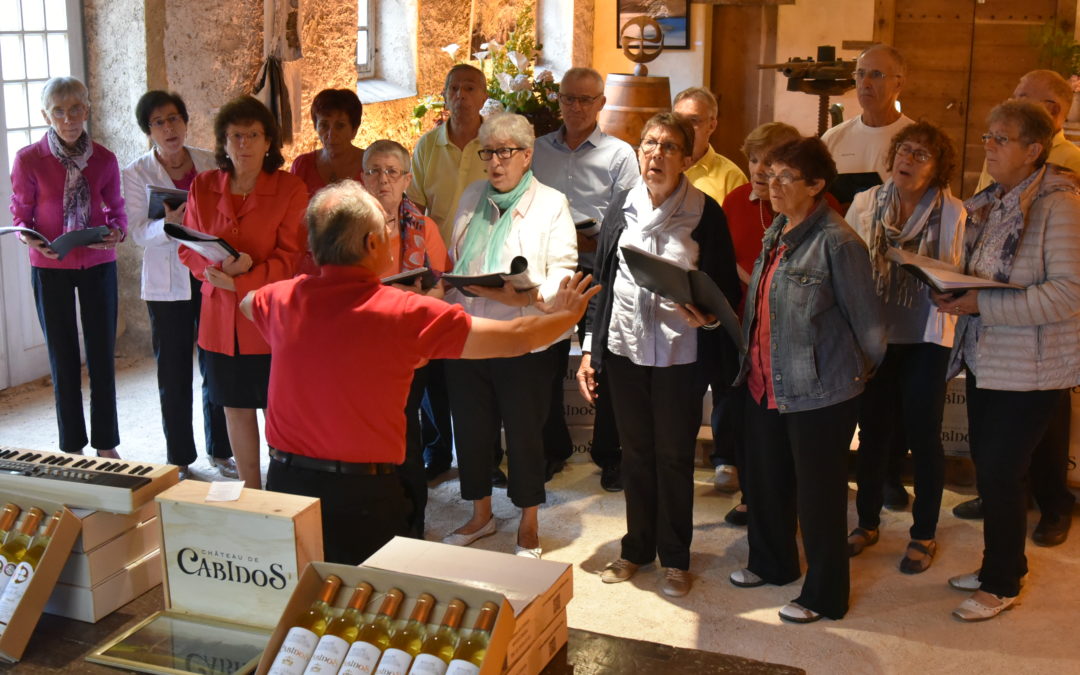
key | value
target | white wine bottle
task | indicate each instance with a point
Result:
(304, 635)
(24, 572)
(17, 542)
(438, 648)
(8, 516)
(470, 652)
(406, 641)
(340, 633)
(372, 638)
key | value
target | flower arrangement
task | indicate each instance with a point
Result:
(513, 85)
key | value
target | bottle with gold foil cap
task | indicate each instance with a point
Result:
(373, 637)
(340, 633)
(470, 652)
(406, 641)
(299, 643)
(8, 515)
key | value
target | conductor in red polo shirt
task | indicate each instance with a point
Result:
(345, 347)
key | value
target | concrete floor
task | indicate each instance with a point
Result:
(897, 623)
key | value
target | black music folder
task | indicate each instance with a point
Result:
(63, 244)
(518, 276)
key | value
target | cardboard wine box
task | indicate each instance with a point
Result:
(543, 649)
(235, 561)
(537, 590)
(17, 634)
(474, 596)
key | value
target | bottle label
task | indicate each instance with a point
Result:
(6, 571)
(329, 654)
(13, 593)
(295, 652)
(394, 662)
(461, 667)
(428, 664)
(360, 659)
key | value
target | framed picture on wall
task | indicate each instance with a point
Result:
(672, 15)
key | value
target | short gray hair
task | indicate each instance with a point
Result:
(339, 219)
(59, 88)
(1034, 122)
(583, 73)
(893, 52)
(701, 95)
(510, 126)
(387, 147)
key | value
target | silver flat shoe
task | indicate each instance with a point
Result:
(796, 613)
(970, 582)
(458, 539)
(528, 552)
(226, 466)
(973, 610)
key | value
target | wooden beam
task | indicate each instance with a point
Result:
(1066, 15)
(745, 3)
(885, 20)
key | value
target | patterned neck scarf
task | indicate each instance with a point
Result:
(996, 249)
(76, 188)
(918, 234)
(411, 229)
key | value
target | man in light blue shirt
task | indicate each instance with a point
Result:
(590, 168)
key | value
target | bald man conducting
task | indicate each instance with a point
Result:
(344, 348)
(1048, 475)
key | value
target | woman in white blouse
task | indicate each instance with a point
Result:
(171, 293)
(659, 356)
(508, 215)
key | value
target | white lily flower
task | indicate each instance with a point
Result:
(521, 82)
(491, 106)
(519, 60)
(505, 82)
(452, 49)
(480, 56)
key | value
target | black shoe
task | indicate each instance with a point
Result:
(611, 478)
(552, 467)
(737, 517)
(896, 497)
(1052, 530)
(433, 471)
(498, 478)
(970, 510)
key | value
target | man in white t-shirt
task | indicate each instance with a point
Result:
(861, 144)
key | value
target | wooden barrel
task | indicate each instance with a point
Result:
(631, 101)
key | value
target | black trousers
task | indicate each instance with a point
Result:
(515, 392)
(174, 328)
(658, 413)
(1049, 472)
(1004, 427)
(359, 513)
(435, 425)
(905, 398)
(55, 291)
(557, 444)
(797, 474)
(605, 450)
(411, 470)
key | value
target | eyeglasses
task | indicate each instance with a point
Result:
(998, 139)
(76, 111)
(570, 99)
(650, 145)
(392, 174)
(159, 122)
(875, 75)
(239, 137)
(502, 153)
(782, 178)
(918, 154)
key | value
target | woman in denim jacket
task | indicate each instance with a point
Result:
(814, 334)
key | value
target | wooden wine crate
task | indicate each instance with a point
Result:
(236, 561)
(99, 527)
(474, 596)
(90, 568)
(93, 603)
(538, 590)
(24, 620)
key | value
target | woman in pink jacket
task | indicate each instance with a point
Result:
(63, 183)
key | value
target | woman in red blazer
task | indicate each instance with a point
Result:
(259, 211)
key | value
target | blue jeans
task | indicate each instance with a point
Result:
(55, 292)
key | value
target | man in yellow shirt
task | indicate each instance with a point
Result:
(1053, 92)
(712, 173)
(444, 161)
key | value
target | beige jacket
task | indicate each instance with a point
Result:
(1031, 337)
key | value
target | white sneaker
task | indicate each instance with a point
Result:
(727, 478)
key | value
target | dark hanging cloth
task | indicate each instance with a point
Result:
(272, 75)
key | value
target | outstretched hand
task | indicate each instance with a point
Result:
(573, 295)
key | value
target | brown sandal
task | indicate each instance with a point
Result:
(909, 565)
(859, 539)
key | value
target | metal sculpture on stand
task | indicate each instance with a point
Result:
(633, 99)
(825, 77)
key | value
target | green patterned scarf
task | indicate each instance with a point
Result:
(485, 236)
